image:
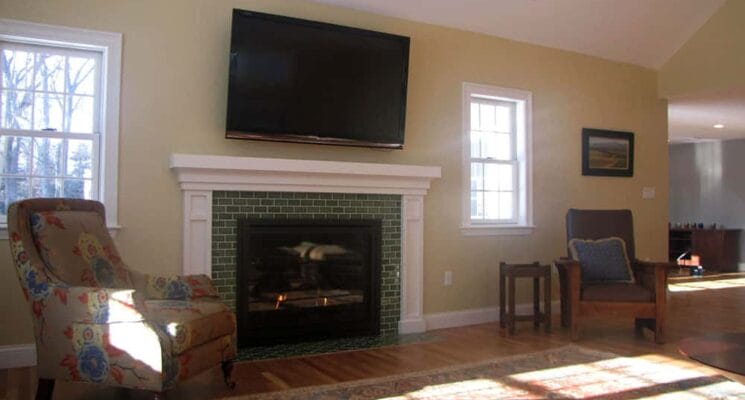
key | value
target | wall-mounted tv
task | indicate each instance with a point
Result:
(294, 80)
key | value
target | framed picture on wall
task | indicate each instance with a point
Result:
(607, 153)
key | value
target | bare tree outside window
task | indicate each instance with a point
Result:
(48, 122)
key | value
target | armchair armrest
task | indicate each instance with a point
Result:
(174, 287)
(570, 282)
(66, 304)
(652, 275)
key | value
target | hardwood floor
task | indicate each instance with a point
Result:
(696, 307)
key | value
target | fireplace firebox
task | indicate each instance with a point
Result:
(300, 280)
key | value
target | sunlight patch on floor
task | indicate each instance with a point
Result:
(707, 285)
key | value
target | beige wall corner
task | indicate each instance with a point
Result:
(713, 59)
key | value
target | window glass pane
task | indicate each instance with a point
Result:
(476, 144)
(12, 189)
(498, 177)
(491, 205)
(475, 116)
(503, 119)
(16, 109)
(46, 187)
(48, 111)
(48, 156)
(477, 176)
(487, 117)
(81, 75)
(50, 74)
(505, 205)
(77, 188)
(80, 117)
(79, 158)
(496, 146)
(18, 69)
(477, 205)
(15, 155)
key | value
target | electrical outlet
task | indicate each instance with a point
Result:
(448, 280)
(648, 192)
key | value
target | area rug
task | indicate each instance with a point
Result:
(567, 372)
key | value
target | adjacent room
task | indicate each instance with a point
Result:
(366, 199)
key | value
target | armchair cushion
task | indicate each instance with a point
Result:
(603, 260)
(76, 248)
(617, 292)
(190, 323)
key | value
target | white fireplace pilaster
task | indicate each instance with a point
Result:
(200, 175)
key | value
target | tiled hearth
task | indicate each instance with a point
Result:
(203, 178)
(228, 206)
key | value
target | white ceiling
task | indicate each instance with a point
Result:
(641, 32)
(691, 118)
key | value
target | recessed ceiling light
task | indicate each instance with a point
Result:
(719, 126)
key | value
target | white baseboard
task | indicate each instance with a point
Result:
(18, 355)
(476, 316)
(412, 326)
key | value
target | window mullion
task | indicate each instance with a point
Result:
(33, 90)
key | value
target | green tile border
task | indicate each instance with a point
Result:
(228, 206)
(332, 346)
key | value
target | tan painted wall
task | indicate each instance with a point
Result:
(713, 59)
(173, 100)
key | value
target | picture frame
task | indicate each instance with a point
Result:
(607, 153)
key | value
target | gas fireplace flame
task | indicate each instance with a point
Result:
(280, 299)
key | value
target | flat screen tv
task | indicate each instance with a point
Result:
(294, 80)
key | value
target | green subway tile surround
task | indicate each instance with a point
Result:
(228, 206)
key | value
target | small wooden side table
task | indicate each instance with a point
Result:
(507, 275)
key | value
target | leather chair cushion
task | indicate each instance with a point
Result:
(190, 323)
(617, 292)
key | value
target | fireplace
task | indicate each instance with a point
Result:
(299, 279)
(208, 220)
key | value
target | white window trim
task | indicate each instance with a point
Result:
(524, 225)
(110, 44)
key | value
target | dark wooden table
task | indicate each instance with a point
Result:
(721, 350)
(507, 275)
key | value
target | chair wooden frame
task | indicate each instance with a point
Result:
(649, 315)
(598, 224)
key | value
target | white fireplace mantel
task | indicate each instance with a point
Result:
(200, 175)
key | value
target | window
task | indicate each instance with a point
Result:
(59, 101)
(497, 190)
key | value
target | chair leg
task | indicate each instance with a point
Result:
(659, 331)
(160, 395)
(44, 389)
(227, 372)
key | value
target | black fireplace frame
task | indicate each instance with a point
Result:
(251, 336)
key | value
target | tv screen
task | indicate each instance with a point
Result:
(304, 81)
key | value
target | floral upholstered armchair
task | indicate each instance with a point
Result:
(96, 320)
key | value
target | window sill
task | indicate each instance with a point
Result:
(497, 230)
(113, 230)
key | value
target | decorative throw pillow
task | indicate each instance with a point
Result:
(603, 260)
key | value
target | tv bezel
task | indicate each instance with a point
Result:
(310, 137)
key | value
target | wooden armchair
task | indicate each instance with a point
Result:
(644, 299)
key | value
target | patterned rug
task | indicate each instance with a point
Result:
(564, 373)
